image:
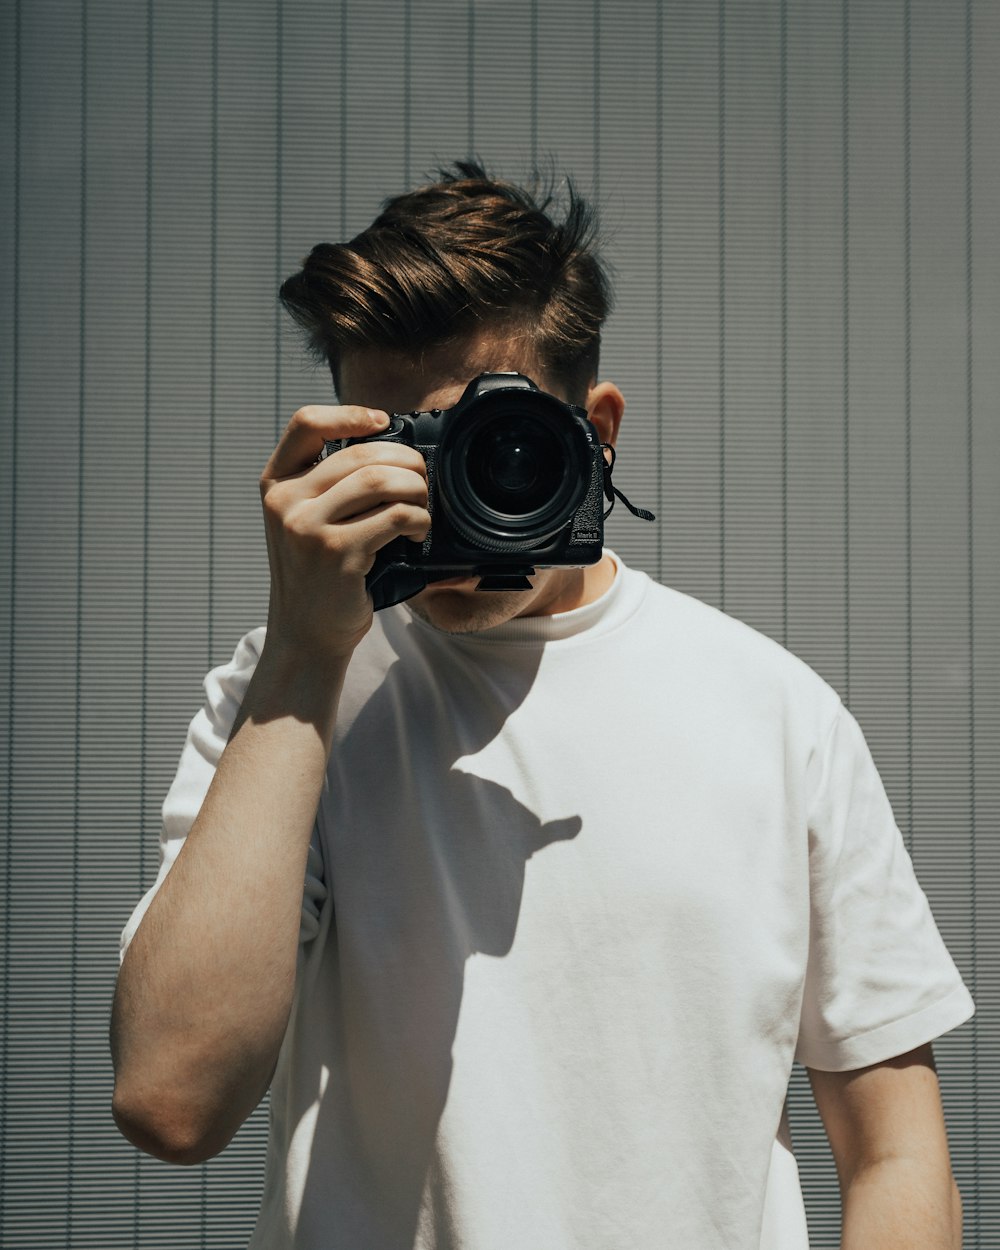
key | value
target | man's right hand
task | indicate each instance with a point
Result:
(325, 520)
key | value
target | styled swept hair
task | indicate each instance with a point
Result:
(463, 254)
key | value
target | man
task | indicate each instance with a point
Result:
(586, 866)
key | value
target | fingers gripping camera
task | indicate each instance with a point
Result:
(516, 480)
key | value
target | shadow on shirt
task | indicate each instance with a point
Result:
(425, 865)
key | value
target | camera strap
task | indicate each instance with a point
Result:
(610, 491)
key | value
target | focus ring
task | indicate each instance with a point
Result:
(491, 542)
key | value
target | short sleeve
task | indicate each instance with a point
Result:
(880, 980)
(206, 739)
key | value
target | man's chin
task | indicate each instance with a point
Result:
(461, 609)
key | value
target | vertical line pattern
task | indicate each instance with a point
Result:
(907, 382)
(470, 89)
(534, 85)
(214, 265)
(146, 387)
(343, 119)
(722, 302)
(214, 252)
(279, 126)
(970, 487)
(845, 266)
(597, 100)
(11, 609)
(783, 132)
(659, 293)
(72, 1220)
(407, 7)
(77, 692)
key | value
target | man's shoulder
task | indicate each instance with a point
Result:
(729, 647)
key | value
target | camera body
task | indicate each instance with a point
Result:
(515, 482)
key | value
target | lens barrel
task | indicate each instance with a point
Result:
(513, 469)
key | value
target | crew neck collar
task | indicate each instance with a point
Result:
(605, 612)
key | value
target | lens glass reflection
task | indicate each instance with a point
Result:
(515, 466)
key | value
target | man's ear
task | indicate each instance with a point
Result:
(605, 407)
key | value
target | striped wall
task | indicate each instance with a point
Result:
(802, 201)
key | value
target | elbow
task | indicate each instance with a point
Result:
(160, 1128)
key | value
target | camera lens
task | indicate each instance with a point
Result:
(514, 469)
(515, 466)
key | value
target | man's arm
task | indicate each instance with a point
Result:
(887, 1132)
(205, 988)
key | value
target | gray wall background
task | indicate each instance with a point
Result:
(802, 197)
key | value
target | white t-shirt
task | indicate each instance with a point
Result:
(593, 881)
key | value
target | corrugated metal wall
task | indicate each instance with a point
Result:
(803, 201)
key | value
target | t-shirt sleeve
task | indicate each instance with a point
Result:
(206, 739)
(880, 980)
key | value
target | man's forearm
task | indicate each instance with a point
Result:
(901, 1204)
(205, 987)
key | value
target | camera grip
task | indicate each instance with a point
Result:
(404, 583)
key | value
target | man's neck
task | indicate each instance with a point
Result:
(573, 588)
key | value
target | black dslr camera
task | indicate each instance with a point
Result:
(515, 481)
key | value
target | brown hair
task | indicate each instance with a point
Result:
(464, 253)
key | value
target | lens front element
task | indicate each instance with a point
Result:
(514, 471)
(514, 466)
